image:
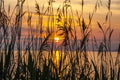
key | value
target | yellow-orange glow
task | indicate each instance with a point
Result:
(56, 39)
(56, 58)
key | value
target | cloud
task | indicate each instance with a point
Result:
(116, 8)
(116, 2)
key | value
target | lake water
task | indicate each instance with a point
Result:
(64, 62)
(58, 55)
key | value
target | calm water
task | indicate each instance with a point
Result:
(58, 55)
(66, 58)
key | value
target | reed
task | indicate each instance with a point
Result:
(34, 57)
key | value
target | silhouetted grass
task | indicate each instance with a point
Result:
(33, 57)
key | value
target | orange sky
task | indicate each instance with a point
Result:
(76, 5)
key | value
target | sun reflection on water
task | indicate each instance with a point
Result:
(57, 58)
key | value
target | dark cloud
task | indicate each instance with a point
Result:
(116, 2)
(115, 8)
(86, 2)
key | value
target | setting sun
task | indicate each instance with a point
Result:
(56, 39)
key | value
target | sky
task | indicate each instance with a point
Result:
(88, 8)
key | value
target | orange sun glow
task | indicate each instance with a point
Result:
(56, 39)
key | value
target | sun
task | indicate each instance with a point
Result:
(56, 39)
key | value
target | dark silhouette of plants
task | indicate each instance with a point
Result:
(34, 56)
